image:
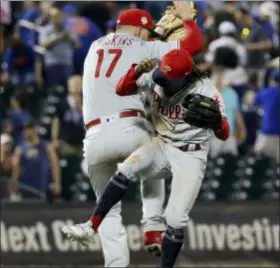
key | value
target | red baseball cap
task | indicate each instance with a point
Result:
(175, 66)
(135, 17)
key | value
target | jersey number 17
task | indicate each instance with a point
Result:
(101, 54)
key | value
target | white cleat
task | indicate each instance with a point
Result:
(83, 232)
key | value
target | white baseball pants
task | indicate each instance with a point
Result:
(105, 146)
(157, 159)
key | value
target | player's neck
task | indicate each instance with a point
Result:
(125, 30)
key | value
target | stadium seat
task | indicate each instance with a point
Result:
(70, 166)
(58, 91)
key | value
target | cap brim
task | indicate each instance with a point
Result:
(173, 85)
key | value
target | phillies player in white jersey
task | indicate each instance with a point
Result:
(178, 149)
(117, 126)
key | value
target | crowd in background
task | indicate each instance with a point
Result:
(43, 47)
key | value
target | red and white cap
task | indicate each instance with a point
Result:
(135, 17)
(175, 66)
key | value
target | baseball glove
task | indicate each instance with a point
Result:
(202, 112)
(172, 24)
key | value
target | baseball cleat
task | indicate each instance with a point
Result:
(152, 242)
(82, 232)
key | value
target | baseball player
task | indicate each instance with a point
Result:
(186, 110)
(117, 126)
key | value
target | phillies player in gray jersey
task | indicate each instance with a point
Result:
(179, 148)
(116, 126)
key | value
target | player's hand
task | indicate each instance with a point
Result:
(145, 66)
(184, 9)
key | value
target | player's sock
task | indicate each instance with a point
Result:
(171, 245)
(112, 194)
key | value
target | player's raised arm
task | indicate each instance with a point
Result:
(192, 42)
(188, 37)
(128, 84)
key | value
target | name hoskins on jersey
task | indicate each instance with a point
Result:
(108, 59)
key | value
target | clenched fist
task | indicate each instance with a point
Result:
(145, 66)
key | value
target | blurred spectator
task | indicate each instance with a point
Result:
(269, 99)
(264, 20)
(6, 155)
(6, 13)
(204, 12)
(35, 162)
(274, 63)
(235, 119)
(251, 119)
(40, 22)
(29, 14)
(227, 53)
(59, 43)
(5, 163)
(5, 21)
(68, 126)
(156, 8)
(269, 12)
(256, 43)
(111, 26)
(227, 39)
(45, 7)
(276, 43)
(6, 127)
(18, 116)
(2, 45)
(18, 63)
(96, 11)
(226, 13)
(87, 32)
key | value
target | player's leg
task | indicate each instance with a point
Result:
(153, 196)
(145, 160)
(188, 172)
(112, 233)
(98, 148)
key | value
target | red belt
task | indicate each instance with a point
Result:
(187, 147)
(123, 114)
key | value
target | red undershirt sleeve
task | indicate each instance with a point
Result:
(224, 131)
(127, 84)
(193, 41)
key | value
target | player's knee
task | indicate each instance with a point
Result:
(176, 220)
(126, 169)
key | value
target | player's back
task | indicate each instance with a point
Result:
(108, 59)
